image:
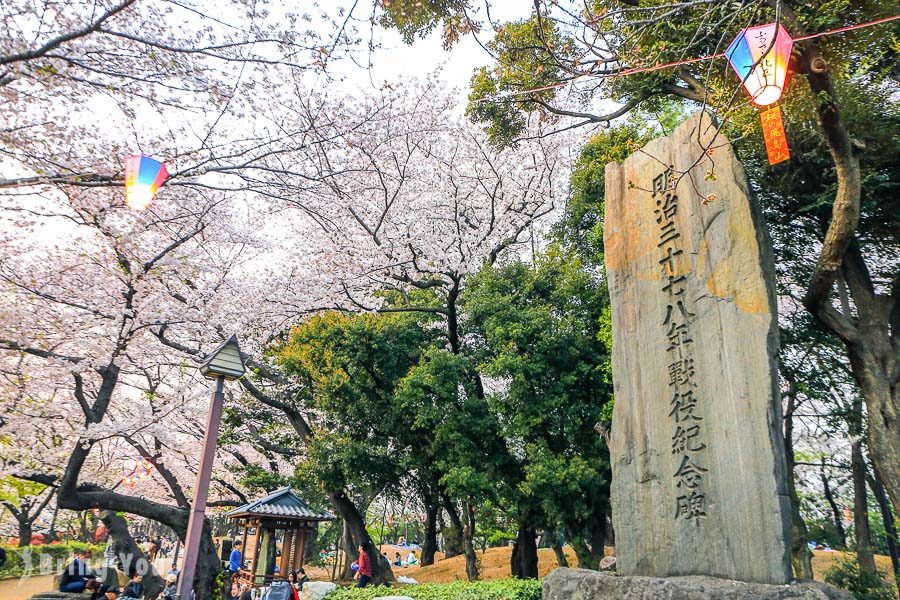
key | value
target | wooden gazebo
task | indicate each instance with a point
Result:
(282, 514)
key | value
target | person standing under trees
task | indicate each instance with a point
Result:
(364, 573)
(236, 559)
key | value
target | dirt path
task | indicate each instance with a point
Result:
(20, 589)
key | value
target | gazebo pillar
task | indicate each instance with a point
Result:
(300, 546)
(244, 542)
(256, 541)
(286, 547)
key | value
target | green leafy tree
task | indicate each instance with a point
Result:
(535, 330)
(842, 98)
(25, 501)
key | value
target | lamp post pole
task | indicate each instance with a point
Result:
(198, 508)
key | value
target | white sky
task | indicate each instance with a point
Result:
(394, 61)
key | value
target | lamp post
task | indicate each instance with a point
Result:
(223, 363)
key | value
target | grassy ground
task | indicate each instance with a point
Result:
(495, 565)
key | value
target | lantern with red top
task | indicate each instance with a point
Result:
(143, 177)
(760, 57)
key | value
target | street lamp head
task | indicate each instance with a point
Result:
(225, 361)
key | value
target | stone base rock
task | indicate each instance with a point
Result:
(317, 590)
(581, 584)
(59, 596)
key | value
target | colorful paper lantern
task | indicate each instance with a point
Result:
(143, 177)
(768, 47)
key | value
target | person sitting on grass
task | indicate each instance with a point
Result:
(411, 559)
(171, 588)
(398, 562)
(135, 587)
(110, 593)
(77, 573)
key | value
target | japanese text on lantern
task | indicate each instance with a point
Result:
(773, 134)
(687, 438)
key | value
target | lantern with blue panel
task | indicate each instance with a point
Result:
(760, 56)
(143, 177)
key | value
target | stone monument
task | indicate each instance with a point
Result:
(699, 481)
(699, 490)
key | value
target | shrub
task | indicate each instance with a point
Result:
(44, 559)
(862, 583)
(506, 589)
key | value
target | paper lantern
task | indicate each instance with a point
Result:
(143, 177)
(769, 48)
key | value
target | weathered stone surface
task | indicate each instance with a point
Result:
(317, 590)
(699, 482)
(581, 584)
(59, 596)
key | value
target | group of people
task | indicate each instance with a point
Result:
(243, 591)
(156, 547)
(399, 562)
(78, 577)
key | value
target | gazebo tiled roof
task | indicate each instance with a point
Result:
(281, 504)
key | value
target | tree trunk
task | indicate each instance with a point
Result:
(25, 531)
(860, 501)
(801, 555)
(468, 541)
(835, 511)
(887, 517)
(524, 561)
(83, 532)
(586, 558)
(453, 543)
(556, 544)
(351, 554)
(589, 549)
(130, 559)
(861, 509)
(429, 545)
(870, 336)
(54, 535)
(356, 525)
(883, 411)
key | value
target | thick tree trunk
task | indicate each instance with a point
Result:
(801, 555)
(356, 525)
(860, 501)
(25, 532)
(468, 541)
(429, 545)
(83, 532)
(453, 542)
(53, 534)
(835, 511)
(524, 561)
(883, 412)
(887, 516)
(556, 544)
(129, 558)
(351, 554)
(861, 509)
